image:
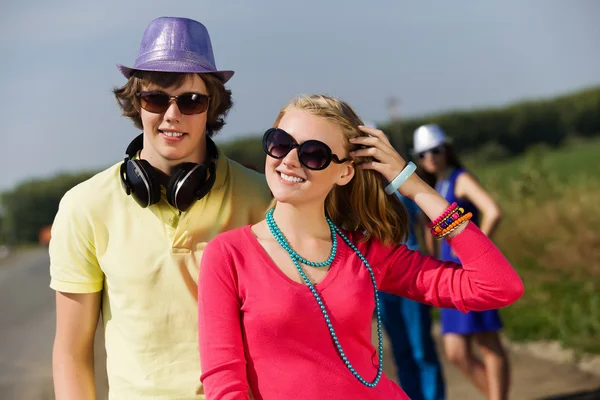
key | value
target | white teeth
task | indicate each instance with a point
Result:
(291, 178)
(172, 134)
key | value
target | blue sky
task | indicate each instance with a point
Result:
(58, 63)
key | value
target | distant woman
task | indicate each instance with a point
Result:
(491, 374)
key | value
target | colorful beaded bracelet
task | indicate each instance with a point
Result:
(438, 230)
(443, 215)
(445, 223)
(454, 225)
(450, 231)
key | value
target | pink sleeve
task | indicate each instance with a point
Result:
(219, 328)
(484, 281)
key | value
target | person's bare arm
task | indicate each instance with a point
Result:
(73, 354)
(468, 187)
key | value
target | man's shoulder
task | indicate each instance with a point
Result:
(98, 189)
(239, 171)
(248, 180)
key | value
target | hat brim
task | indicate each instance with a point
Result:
(431, 146)
(176, 67)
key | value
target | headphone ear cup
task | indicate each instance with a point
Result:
(143, 181)
(210, 177)
(124, 179)
(183, 185)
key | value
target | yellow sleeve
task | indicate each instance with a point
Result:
(74, 267)
(262, 201)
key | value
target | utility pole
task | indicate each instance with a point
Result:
(395, 116)
(394, 109)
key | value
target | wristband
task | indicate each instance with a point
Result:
(406, 172)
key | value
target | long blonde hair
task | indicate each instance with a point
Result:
(361, 205)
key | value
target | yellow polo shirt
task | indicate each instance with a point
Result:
(146, 261)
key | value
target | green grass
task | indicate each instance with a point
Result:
(552, 169)
(551, 234)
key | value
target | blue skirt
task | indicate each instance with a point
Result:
(454, 321)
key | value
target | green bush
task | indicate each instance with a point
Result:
(502, 132)
(33, 204)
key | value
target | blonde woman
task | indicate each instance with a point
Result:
(285, 305)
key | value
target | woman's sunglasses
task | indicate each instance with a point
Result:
(188, 103)
(434, 151)
(313, 154)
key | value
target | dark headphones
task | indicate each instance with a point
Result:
(189, 181)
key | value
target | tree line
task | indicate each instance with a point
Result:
(493, 133)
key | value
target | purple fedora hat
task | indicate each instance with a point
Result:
(173, 44)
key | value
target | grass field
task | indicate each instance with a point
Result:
(551, 234)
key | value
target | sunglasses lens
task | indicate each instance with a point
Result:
(154, 102)
(434, 151)
(277, 143)
(314, 155)
(188, 103)
(192, 103)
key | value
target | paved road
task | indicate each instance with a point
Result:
(27, 331)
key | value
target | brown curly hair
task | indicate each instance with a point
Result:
(220, 96)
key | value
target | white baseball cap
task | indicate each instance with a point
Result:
(427, 137)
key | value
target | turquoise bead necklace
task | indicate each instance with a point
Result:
(297, 259)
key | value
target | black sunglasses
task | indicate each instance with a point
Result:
(313, 154)
(434, 151)
(188, 103)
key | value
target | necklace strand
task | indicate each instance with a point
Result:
(297, 259)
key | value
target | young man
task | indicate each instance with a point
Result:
(129, 240)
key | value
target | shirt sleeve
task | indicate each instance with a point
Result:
(263, 201)
(74, 266)
(219, 328)
(484, 281)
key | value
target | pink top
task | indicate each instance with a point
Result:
(261, 331)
